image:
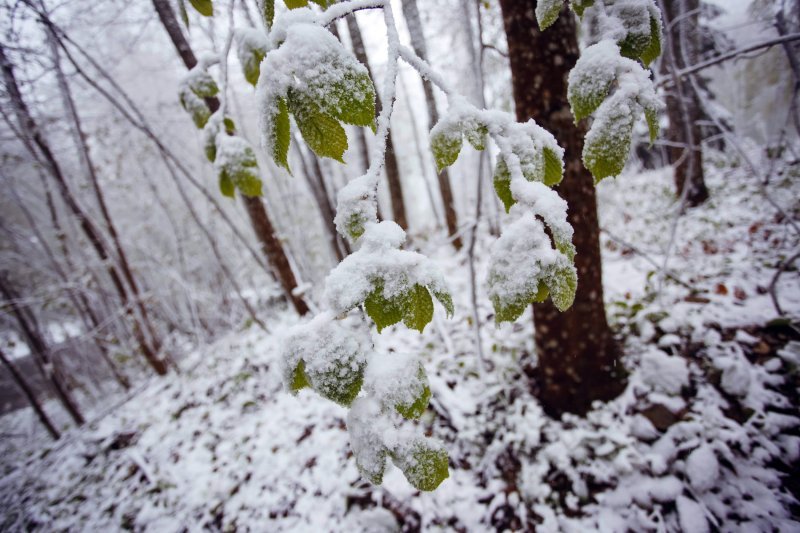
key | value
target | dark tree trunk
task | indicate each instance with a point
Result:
(392, 168)
(261, 223)
(578, 358)
(683, 107)
(40, 351)
(411, 15)
(31, 396)
(35, 141)
(88, 164)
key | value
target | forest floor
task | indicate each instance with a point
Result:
(705, 436)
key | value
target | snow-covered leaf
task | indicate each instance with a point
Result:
(653, 49)
(445, 145)
(608, 143)
(547, 12)
(553, 168)
(323, 133)
(419, 308)
(423, 462)
(579, 6)
(591, 78)
(384, 311)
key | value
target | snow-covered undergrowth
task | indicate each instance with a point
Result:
(704, 437)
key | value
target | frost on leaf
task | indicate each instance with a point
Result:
(607, 144)
(445, 145)
(423, 462)
(355, 209)
(547, 12)
(399, 382)
(326, 356)
(195, 106)
(579, 6)
(447, 135)
(307, 73)
(525, 268)
(392, 284)
(236, 163)
(366, 438)
(373, 436)
(251, 48)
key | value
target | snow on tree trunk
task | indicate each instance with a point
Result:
(683, 108)
(578, 359)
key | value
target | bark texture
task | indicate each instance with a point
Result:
(681, 36)
(392, 168)
(411, 14)
(261, 223)
(578, 358)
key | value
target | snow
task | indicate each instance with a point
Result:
(702, 468)
(664, 373)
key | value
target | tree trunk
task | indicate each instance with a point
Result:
(683, 107)
(578, 358)
(88, 164)
(261, 223)
(31, 134)
(40, 351)
(31, 396)
(411, 15)
(392, 168)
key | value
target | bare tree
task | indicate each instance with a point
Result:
(38, 146)
(684, 110)
(30, 395)
(578, 358)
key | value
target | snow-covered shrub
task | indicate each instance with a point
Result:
(303, 71)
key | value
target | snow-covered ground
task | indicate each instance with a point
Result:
(705, 437)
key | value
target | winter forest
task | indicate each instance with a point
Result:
(400, 265)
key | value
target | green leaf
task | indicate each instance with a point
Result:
(651, 116)
(204, 7)
(324, 4)
(653, 50)
(299, 378)
(502, 184)
(196, 107)
(230, 126)
(446, 145)
(323, 133)
(203, 85)
(355, 226)
(252, 67)
(424, 466)
(563, 285)
(340, 384)
(579, 6)
(446, 300)
(606, 148)
(269, 12)
(226, 186)
(183, 13)
(419, 308)
(547, 12)
(416, 409)
(509, 311)
(248, 182)
(294, 4)
(476, 136)
(384, 312)
(211, 148)
(278, 130)
(374, 472)
(553, 168)
(351, 99)
(587, 95)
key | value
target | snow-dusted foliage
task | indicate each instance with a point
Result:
(609, 80)
(301, 69)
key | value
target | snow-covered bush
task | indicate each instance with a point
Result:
(304, 72)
